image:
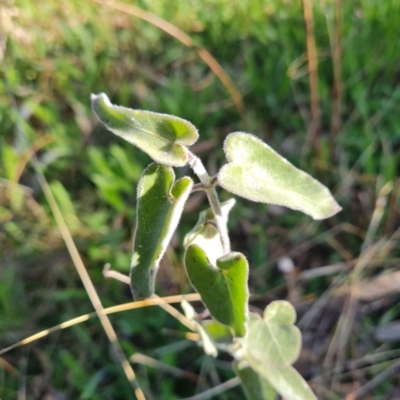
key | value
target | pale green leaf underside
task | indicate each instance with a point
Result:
(254, 385)
(163, 137)
(160, 204)
(258, 173)
(223, 290)
(273, 343)
(280, 312)
(274, 337)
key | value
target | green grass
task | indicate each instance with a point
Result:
(59, 53)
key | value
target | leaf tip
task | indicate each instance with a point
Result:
(331, 209)
(100, 103)
(96, 98)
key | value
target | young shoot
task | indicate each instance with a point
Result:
(264, 348)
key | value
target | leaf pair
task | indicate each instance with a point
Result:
(223, 288)
(220, 279)
(255, 171)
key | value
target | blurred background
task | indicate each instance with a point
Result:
(319, 81)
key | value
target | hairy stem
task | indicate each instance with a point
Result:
(208, 187)
(197, 187)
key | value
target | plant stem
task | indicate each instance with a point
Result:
(220, 219)
(197, 187)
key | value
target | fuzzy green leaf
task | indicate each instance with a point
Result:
(222, 289)
(159, 207)
(258, 173)
(274, 337)
(273, 343)
(163, 137)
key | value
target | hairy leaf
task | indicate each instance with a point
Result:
(273, 343)
(222, 289)
(258, 173)
(159, 207)
(163, 137)
(274, 338)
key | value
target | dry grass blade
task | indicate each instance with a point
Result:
(377, 380)
(175, 32)
(374, 288)
(110, 310)
(176, 314)
(26, 155)
(216, 390)
(381, 203)
(85, 278)
(345, 324)
(163, 367)
(335, 38)
(324, 271)
(39, 335)
(368, 361)
(368, 252)
(80, 267)
(8, 367)
(109, 273)
(320, 303)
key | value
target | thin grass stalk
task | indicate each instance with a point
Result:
(231, 383)
(87, 282)
(110, 310)
(314, 128)
(335, 38)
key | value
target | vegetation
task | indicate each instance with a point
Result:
(345, 131)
